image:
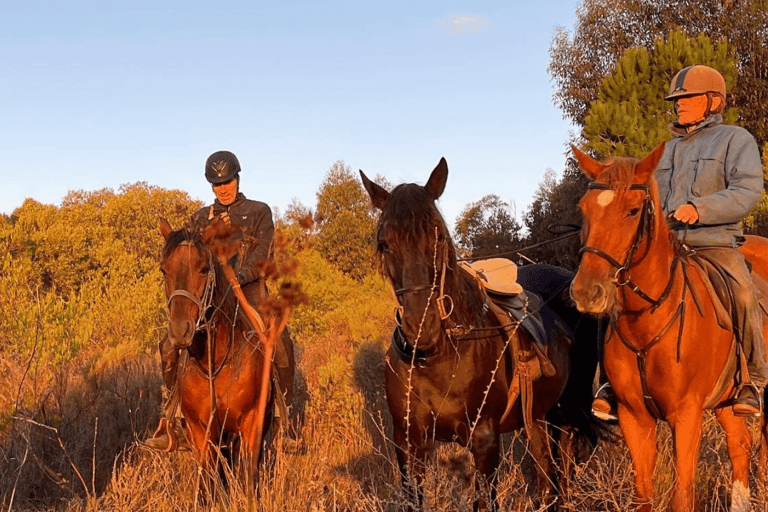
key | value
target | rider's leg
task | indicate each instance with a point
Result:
(748, 327)
(169, 432)
(604, 403)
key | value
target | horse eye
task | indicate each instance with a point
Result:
(205, 270)
(382, 246)
(633, 212)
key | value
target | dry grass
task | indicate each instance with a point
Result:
(345, 461)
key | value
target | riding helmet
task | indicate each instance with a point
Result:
(221, 167)
(696, 79)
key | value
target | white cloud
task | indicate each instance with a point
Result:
(465, 24)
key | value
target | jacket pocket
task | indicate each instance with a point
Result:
(709, 177)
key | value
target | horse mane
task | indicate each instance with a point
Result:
(413, 217)
(225, 302)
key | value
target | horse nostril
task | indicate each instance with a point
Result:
(598, 292)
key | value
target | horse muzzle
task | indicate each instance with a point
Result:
(590, 297)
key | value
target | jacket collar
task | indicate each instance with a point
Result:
(679, 131)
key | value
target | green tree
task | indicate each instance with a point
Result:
(630, 116)
(345, 223)
(487, 227)
(551, 216)
(756, 222)
(605, 29)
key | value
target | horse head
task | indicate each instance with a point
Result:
(415, 252)
(620, 222)
(188, 270)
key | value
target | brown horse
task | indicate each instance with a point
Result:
(222, 374)
(456, 370)
(665, 355)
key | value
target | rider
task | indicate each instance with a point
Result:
(710, 177)
(222, 170)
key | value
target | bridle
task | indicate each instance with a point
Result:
(204, 302)
(442, 299)
(645, 231)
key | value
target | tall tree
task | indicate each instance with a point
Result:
(345, 224)
(629, 116)
(487, 227)
(604, 29)
(554, 206)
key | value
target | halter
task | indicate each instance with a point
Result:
(202, 303)
(645, 229)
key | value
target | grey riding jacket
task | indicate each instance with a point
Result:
(716, 168)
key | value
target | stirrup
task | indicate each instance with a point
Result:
(742, 409)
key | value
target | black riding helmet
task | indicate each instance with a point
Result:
(221, 167)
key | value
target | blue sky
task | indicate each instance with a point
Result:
(98, 93)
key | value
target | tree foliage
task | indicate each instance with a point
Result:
(345, 224)
(487, 227)
(629, 116)
(85, 274)
(555, 204)
(605, 29)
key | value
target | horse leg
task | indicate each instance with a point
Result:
(485, 450)
(411, 462)
(686, 427)
(739, 442)
(204, 453)
(541, 449)
(640, 435)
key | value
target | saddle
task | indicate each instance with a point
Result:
(497, 277)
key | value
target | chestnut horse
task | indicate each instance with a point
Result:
(222, 374)
(665, 354)
(453, 369)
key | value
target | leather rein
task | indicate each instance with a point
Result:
(645, 231)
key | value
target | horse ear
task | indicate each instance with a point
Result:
(645, 167)
(165, 228)
(377, 193)
(436, 183)
(589, 166)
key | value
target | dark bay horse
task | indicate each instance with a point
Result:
(666, 355)
(455, 371)
(222, 373)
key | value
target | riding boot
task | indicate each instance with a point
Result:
(284, 371)
(748, 400)
(169, 435)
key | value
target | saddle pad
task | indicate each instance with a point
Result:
(526, 308)
(498, 275)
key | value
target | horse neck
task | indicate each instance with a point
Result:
(467, 298)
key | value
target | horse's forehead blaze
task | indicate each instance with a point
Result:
(605, 197)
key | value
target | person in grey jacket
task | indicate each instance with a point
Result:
(710, 177)
(222, 170)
